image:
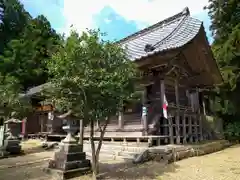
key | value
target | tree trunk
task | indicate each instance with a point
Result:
(94, 169)
(102, 130)
(95, 154)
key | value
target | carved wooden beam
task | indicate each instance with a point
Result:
(157, 59)
(177, 64)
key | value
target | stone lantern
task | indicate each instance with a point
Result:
(69, 161)
(12, 143)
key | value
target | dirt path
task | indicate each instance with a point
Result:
(223, 165)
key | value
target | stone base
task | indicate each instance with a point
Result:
(69, 165)
(12, 146)
(69, 161)
(62, 175)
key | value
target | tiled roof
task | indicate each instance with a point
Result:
(170, 33)
(37, 89)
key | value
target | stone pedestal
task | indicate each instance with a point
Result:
(69, 161)
(12, 143)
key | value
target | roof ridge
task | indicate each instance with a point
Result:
(185, 12)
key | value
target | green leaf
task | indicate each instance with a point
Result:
(91, 77)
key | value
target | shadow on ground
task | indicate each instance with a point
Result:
(128, 170)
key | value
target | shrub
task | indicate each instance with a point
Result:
(232, 131)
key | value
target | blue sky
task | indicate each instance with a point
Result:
(112, 15)
(52, 9)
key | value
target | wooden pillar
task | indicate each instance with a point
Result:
(185, 116)
(188, 97)
(200, 127)
(177, 112)
(170, 125)
(50, 122)
(192, 101)
(197, 116)
(191, 117)
(41, 123)
(184, 129)
(23, 130)
(204, 107)
(120, 120)
(144, 111)
(190, 133)
(200, 118)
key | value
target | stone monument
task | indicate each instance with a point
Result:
(12, 142)
(69, 161)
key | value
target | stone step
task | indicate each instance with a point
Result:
(115, 151)
(113, 154)
(115, 148)
(119, 148)
(129, 154)
(135, 144)
(102, 151)
(110, 156)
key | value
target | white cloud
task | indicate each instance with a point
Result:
(107, 20)
(81, 14)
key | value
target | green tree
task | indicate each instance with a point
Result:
(225, 26)
(13, 20)
(26, 56)
(91, 78)
(225, 18)
(11, 98)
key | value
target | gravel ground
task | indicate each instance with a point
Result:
(223, 165)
